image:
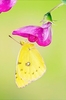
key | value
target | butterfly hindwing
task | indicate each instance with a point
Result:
(19, 81)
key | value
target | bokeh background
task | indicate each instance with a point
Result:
(52, 85)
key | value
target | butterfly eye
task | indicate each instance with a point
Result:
(27, 64)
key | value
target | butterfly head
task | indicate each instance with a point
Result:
(22, 42)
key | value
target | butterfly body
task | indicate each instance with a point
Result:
(30, 65)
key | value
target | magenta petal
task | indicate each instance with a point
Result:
(6, 5)
(30, 32)
(32, 38)
(41, 35)
(45, 38)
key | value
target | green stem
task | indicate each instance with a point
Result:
(56, 7)
(48, 14)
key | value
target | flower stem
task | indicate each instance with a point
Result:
(56, 7)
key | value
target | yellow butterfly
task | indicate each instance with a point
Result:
(30, 65)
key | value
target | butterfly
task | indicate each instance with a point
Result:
(30, 65)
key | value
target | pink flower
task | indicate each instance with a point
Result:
(41, 35)
(6, 5)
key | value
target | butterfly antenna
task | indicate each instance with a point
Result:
(14, 39)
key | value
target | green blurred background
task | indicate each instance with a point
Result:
(51, 86)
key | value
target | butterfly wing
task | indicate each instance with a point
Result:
(19, 81)
(30, 63)
(38, 67)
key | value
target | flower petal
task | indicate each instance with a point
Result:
(41, 35)
(6, 5)
(44, 39)
(32, 38)
(30, 32)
